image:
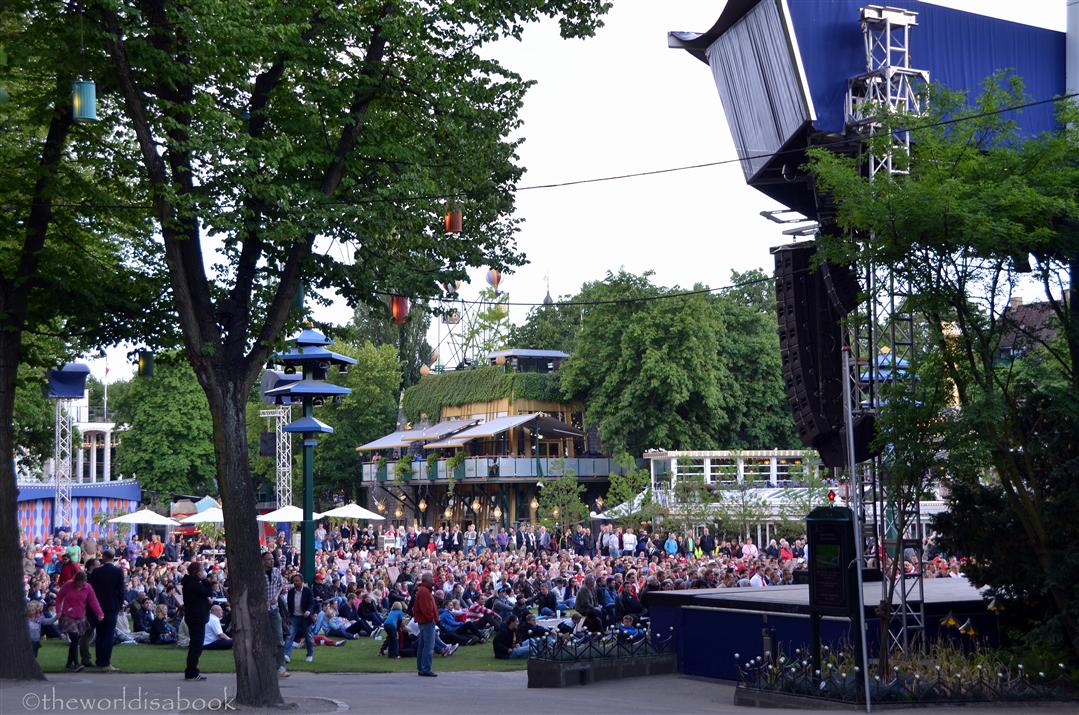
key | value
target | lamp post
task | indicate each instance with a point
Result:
(310, 354)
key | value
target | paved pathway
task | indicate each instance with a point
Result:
(474, 693)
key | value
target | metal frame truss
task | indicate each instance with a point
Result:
(881, 332)
(282, 415)
(62, 465)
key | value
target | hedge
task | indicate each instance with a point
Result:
(481, 384)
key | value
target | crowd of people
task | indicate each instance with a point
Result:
(505, 587)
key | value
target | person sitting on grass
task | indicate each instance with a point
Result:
(215, 636)
(329, 623)
(454, 632)
(161, 631)
(506, 643)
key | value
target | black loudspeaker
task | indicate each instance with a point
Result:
(267, 444)
(810, 303)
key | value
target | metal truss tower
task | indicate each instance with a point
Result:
(881, 332)
(62, 466)
(282, 415)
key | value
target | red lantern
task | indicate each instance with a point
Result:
(453, 220)
(399, 305)
(831, 495)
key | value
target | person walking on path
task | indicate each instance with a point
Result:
(73, 601)
(107, 581)
(301, 604)
(275, 586)
(425, 613)
(197, 591)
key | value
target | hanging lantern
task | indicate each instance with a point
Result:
(146, 363)
(400, 307)
(398, 512)
(534, 504)
(448, 513)
(424, 371)
(498, 512)
(422, 505)
(494, 277)
(434, 356)
(554, 512)
(83, 101)
(381, 505)
(453, 220)
(476, 505)
(500, 360)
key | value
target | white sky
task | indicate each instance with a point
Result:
(623, 102)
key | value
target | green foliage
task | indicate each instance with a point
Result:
(402, 470)
(35, 419)
(453, 465)
(552, 327)
(366, 414)
(624, 489)
(169, 441)
(692, 372)
(432, 465)
(375, 325)
(978, 204)
(560, 501)
(490, 328)
(739, 509)
(481, 384)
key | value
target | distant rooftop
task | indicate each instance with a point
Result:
(527, 353)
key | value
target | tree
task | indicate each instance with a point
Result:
(624, 490)
(169, 441)
(560, 502)
(548, 327)
(369, 412)
(490, 327)
(64, 276)
(812, 492)
(375, 325)
(692, 503)
(980, 206)
(740, 507)
(324, 119)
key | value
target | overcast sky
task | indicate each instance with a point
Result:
(623, 102)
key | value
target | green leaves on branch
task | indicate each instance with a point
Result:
(481, 384)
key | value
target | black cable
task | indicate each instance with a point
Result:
(637, 174)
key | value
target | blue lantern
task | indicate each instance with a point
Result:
(83, 101)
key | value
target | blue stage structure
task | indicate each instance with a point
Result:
(796, 74)
(782, 69)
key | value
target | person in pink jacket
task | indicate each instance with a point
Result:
(74, 599)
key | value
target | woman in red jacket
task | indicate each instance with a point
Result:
(72, 601)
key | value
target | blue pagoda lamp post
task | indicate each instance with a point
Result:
(311, 356)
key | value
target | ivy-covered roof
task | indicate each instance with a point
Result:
(481, 384)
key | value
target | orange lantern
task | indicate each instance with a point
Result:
(500, 360)
(453, 220)
(424, 370)
(400, 307)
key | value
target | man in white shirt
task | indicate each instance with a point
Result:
(757, 580)
(629, 541)
(215, 638)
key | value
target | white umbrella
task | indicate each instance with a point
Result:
(144, 516)
(212, 515)
(288, 513)
(353, 510)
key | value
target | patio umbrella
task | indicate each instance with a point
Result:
(212, 515)
(353, 510)
(291, 514)
(144, 516)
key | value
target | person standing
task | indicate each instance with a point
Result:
(275, 587)
(74, 599)
(107, 581)
(300, 606)
(425, 613)
(197, 590)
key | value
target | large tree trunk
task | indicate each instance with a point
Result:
(18, 663)
(256, 670)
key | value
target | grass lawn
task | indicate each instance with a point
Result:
(358, 656)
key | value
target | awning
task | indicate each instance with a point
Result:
(395, 440)
(551, 427)
(440, 430)
(490, 428)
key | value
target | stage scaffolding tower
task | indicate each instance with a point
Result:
(282, 415)
(880, 332)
